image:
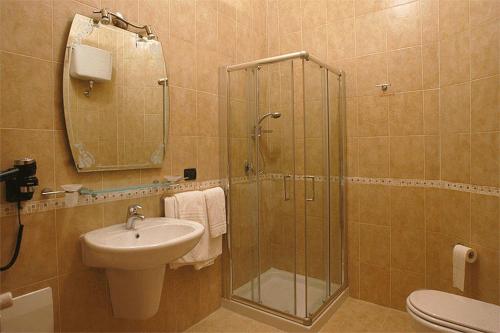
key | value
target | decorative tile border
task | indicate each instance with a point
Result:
(43, 205)
(84, 200)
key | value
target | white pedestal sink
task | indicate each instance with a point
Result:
(135, 260)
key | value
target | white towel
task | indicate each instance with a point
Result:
(170, 205)
(216, 208)
(191, 206)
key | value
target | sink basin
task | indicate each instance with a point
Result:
(135, 260)
(154, 241)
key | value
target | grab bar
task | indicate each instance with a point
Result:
(313, 188)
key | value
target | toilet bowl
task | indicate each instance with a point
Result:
(443, 312)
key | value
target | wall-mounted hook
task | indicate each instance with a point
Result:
(383, 86)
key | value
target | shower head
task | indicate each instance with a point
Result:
(274, 115)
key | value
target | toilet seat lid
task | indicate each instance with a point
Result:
(457, 310)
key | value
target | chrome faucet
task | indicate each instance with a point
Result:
(132, 216)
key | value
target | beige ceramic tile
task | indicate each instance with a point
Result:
(27, 28)
(430, 66)
(405, 69)
(374, 157)
(367, 6)
(374, 284)
(28, 103)
(403, 26)
(454, 59)
(371, 33)
(370, 71)
(484, 278)
(485, 50)
(373, 116)
(485, 113)
(341, 39)
(403, 283)
(455, 108)
(453, 17)
(485, 159)
(430, 20)
(432, 157)
(431, 112)
(485, 217)
(183, 19)
(183, 112)
(407, 157)
(374, 204)
(406, 114)
(374, 244)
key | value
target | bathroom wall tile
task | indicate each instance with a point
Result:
(315, 41)
(183, 112)
(374, 204)
(485, 159)
(371, 33)
(485, 113)
(290, 15)
(485, 50)
(484, 275)
(455, 158)
(184, 153)
(208, 166)
(353, 192)
(403, 283)
(37, 259)
(313, 13)
(373, 116)
(405, 69)
(407, 208)
(182, 16)
(37, 144)
(370, 71)
(26, 28)
(71, 223)
(207, 114)
(368, 6)
(129, 8)
(430, 20)
(181, 57)
(433, 209)
(454, 59)
(83, 301)
(455, 214)
(374, 245)
(483, 10)
(403, 26)
(207, 63)
(374, 157)
(157, 15)
(122, 178)
(341, 39)
(406, 114)
(206, 24)
(432, 157)
(407, 154)
(455, 108)
(430, 66)
(18, 109)
(353, 281)
(352, 156)
(406, 249)
(339, 9)
(374, 284)
(290, 42)
(485, 217)
(431, 112)
(453, 17)
(226, 36)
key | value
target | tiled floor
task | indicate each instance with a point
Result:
(353, 316)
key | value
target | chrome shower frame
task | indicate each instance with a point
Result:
(228, 284)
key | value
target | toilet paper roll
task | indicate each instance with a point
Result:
(461, 256)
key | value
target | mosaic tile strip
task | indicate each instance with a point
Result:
(58, 203)
(84, 200)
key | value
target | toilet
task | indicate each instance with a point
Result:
(443, 312)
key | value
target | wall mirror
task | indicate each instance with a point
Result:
(115, 97)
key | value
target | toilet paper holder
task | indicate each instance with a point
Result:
(471, 255)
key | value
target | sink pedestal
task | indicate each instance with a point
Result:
(135, 294)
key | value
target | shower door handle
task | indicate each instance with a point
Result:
(285, 187)
(312, 178)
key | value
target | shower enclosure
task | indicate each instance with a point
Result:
(285, 157)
